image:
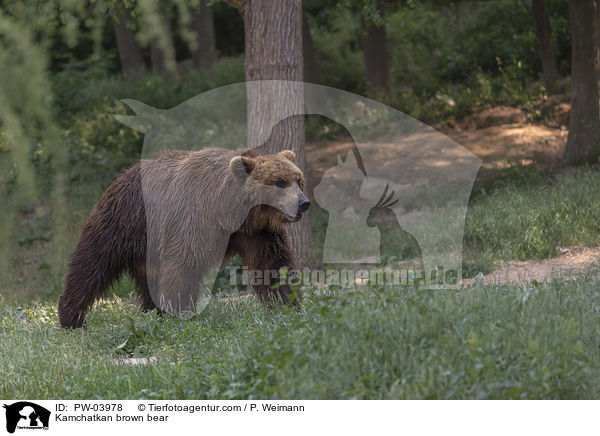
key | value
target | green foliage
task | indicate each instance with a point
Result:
(442, 66)
(35, 229)
(498, 30)
(60, 148)
(420, 47)
(338, 49)
(87, 86)
(561, 29)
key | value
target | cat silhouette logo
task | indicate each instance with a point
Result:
(26, 415)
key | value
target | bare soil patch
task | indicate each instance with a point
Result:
(502, 137)
(513, 144)
(571, 262)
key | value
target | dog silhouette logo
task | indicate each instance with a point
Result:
(26, 415)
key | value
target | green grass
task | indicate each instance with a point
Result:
(538, 341)
(527, 215)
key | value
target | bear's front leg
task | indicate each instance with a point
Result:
(265, 253)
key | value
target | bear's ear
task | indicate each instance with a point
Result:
(288, 154)
(241, 165)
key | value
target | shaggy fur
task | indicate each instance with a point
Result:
(168, 220)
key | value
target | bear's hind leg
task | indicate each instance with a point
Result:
(144, 297)
(90, 274)
(141, 285)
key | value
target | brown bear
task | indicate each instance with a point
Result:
(169, 219)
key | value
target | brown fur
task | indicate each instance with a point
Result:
(190, 203)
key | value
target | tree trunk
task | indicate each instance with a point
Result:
(457, 20)
(583, 143)
(130, 55)
(273, 32)
(375, 55)
(544, 36)
(312, 74)
(162, 50)
(203, 25)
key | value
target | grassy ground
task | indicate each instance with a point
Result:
(526, 214)
(538, 341)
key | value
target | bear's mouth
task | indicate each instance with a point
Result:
(290, 217)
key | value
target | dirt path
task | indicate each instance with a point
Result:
(513, 144)
(569, 264)
(500, 136)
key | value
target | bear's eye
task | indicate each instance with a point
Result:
(280, 183)
(299, 182)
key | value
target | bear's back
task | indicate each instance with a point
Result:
(207, 160)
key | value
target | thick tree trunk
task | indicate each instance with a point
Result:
(375, 55)
(312, 73)
(544, 36)
(162, 50)
(273, 32)
(203, 25)
(130, 55)
(583, 143)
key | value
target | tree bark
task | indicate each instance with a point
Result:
(130, 55)
(312, 73)
(544, 36)
(375, 55)
(205, 53)
(273, 38)
(583, 143)
(162, 50)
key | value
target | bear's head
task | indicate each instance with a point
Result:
(273, 181)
